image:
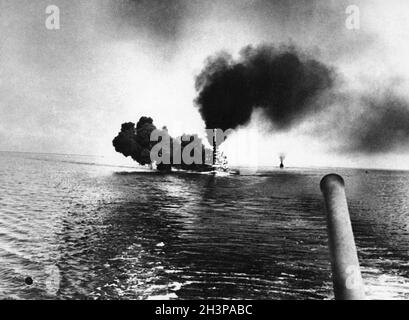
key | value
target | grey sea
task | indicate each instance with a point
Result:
(84, 229)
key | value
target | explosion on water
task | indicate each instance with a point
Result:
(282, 157)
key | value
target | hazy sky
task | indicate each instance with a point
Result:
(69, 90)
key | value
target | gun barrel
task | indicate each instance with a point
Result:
(346, 273)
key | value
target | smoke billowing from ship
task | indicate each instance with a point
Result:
(136, 142)
(287, 85)
(283, 82)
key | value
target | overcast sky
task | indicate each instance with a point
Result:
(69, 90)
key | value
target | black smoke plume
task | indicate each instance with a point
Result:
(283, 82)
(136, 142)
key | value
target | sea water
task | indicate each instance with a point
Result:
(82, 228)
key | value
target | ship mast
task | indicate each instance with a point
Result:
(214, 147)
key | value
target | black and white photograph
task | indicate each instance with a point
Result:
(204, 150)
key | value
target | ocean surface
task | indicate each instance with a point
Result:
(82, 229)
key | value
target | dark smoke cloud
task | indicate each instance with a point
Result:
(382, 127)
(135, 142)
(287, 86)
(283, 82)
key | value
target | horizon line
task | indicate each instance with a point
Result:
(233, 166)
(55, 153)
